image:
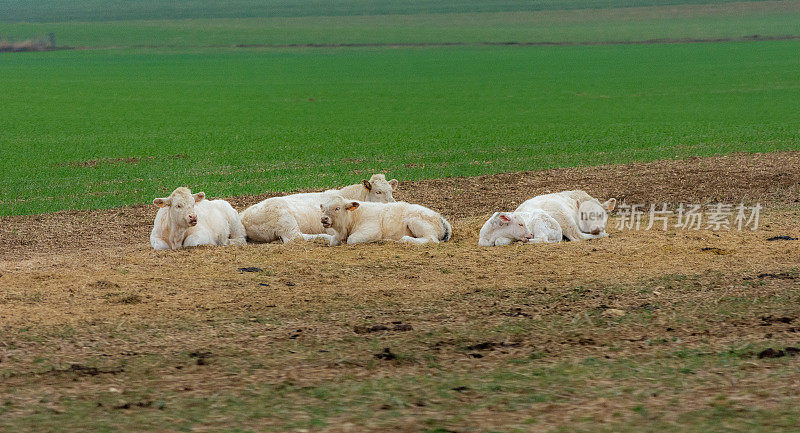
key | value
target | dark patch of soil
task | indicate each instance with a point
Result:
(366, 329)
(781, 238)
(386, 355)
(768, 320)
(779, 275)
(83, 370)
(362, 329)
(103, 284)
(486, 345)
(250, 269)
(778, 353)
(140, 404)
(201, 356)
(771, 353)
(717, 251)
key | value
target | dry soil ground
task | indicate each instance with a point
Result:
(671, 330)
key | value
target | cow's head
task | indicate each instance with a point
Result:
(507, 225)
(379, 189)
(335, 212)
(593, 215)
(180, 205)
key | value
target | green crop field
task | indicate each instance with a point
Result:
(248, 121)
(96, 10)
(108, 127)
(727, 20)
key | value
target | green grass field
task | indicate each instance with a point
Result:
(99, 10)
(109, 127)
(248, 121)
(698, 21)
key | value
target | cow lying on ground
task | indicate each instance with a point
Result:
(188, 220)
(580, 215)
(504, 228)
(297, 215)
(357, 222)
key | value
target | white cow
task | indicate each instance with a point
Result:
(504, 228)
(188, 220)
(298, 216)
(357, 222)
(580, 215)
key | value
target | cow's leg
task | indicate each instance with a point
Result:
(311, 238)
(199, 238)
(502, 241)
(597, 236)
(571, 231)
(569, 228)
(369, 233)
(158, 244)
(422, 231)
(287, 229)
(360, 238)
(238, 235)
(545, 230)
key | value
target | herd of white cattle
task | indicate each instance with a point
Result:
(366, 212)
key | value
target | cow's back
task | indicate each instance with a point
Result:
(394, 217)
(560, 206)
(549, 202)
(305, 208)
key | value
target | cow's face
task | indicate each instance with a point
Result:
(180, 206)
(334, 209)
(509, 225)
(379, 189)
(593, 216)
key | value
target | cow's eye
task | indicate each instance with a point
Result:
(378, 192)
(521, 225)
(179, 206)
(337, 209)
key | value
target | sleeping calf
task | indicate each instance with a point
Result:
(529, 227)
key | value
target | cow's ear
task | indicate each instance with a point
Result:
(366, 184)
(352, 205)
(200, 196)
(393, 183)
(610, 204)
(162, 202)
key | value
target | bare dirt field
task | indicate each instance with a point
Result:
(685, 330)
